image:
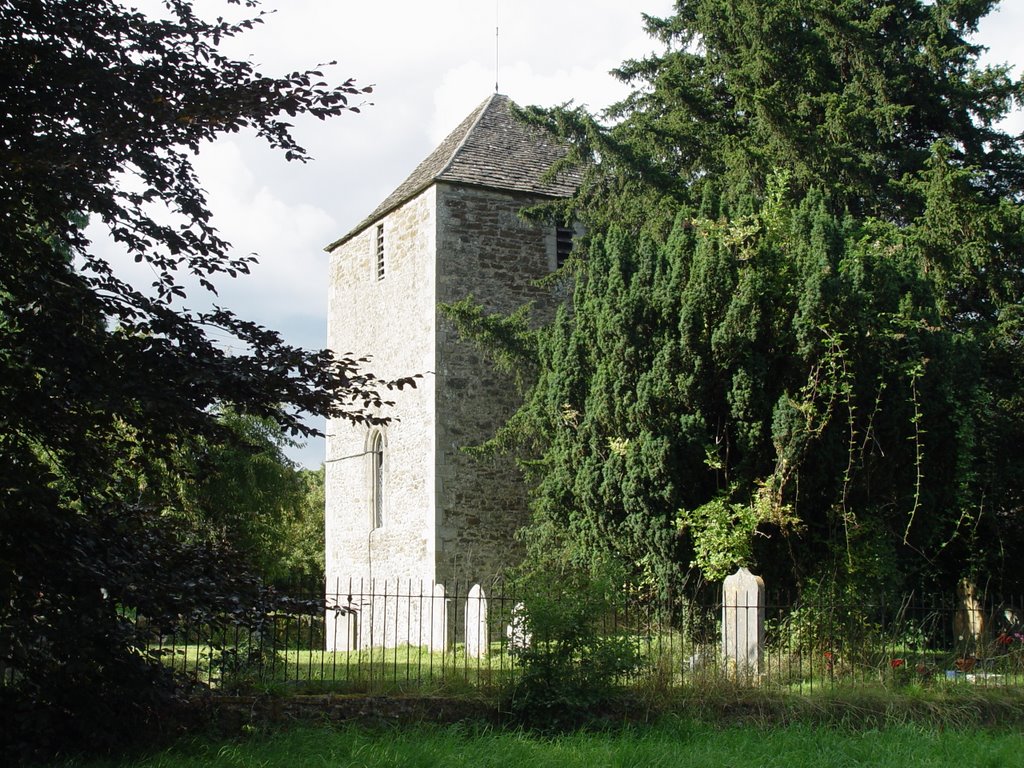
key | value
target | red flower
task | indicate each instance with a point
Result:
(1004, 639)
(828, 656)
(897, 663)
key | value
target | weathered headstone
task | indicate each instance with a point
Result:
(743, 622)
(342, 617)
(476, 623)
(969, 619)
(438, 618)
(519, 635)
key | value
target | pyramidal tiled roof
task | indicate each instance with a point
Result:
(490, 148)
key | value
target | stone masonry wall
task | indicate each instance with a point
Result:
(449, 519)
(394, 321)
(487, 251)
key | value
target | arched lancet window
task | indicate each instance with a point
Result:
(376, 452)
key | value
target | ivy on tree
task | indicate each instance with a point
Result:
(104, 108)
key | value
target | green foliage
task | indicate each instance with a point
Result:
(722, 536)
(576, 659)
(794, 338)
(242, 487)
(509, 340)
(301, 549)
(108, 394)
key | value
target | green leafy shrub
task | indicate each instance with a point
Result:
(578, 655)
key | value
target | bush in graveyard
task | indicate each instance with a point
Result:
(577, 657)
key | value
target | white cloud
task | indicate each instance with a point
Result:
(431, 64)
(287, 234)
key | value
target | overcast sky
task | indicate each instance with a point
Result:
(430, 62)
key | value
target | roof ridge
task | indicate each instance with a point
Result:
(481, 111)
(489, 148)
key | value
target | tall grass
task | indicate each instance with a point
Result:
(672, 742)
(664, 661)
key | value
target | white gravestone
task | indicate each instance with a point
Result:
(519, 635)
(743, 622)
(476, 623)
(438, 618)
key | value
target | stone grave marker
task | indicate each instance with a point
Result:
(743, 622)
(438, 618)
(476, 623)
(519, 635)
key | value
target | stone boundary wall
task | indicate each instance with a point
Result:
(232, 716)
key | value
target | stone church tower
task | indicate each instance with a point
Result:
(405, 505)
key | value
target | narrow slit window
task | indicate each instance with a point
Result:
(380, 251)
(563, 245)
(377, 479)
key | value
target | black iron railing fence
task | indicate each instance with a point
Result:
(390, 636)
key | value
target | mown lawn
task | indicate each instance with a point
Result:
(670, 743)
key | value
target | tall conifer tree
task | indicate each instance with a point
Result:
(796, 329)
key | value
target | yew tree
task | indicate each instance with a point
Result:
(795, 336)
